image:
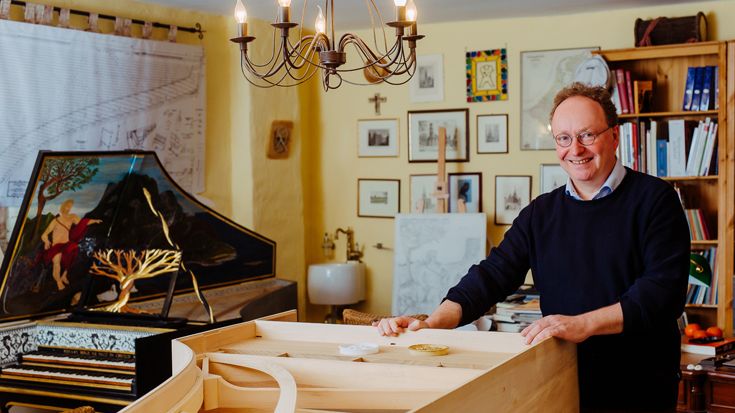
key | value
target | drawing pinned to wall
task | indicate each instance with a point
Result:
(487, 75)
(427, 84)
(128, 94)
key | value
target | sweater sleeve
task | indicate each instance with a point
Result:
(498, 275)
(657, 297)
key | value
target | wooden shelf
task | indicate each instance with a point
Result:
(712, 178)
(702, 306)
(660, 52)
(669, 114)
(711, 242)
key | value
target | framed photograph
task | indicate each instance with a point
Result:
(377, 138)
(427, 84)
(492, 133)
(552, 177)
(423, 135)
(487, 75)
(543, 74)
(465, 192)
(512, 194)
(421, 188)
(378, 198)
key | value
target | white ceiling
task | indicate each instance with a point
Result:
(353, 13)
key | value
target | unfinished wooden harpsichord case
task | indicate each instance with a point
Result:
(284, 367)
(112, 231)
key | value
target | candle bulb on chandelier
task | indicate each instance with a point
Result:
(285, 10)
(400, 10)
(241, 15)
(320, 23)
(411, 15)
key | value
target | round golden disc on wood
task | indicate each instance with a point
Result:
(428, 350)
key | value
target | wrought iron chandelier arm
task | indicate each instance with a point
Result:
(367, 55)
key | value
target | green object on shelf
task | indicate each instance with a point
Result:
(700, 272)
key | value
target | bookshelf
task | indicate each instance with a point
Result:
(667, 66)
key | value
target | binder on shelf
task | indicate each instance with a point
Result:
(689, 88)
(622, 90)
(708, 158)
(677, 148)
(661, 161)
(698, 81)
(629, 87)
(716, 75)
(704, 102)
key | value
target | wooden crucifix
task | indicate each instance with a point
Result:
(377, 100)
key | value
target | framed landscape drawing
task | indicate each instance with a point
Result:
(427, 84)
(543, 74)
(552, 177)
(487, 75)
(377, 138)
(378, 198)
(421, 188)
(423, 135)
(492, 133)
(512, 194)
(465, 192)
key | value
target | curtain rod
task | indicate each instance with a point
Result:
(196, 29)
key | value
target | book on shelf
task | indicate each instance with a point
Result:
(704, 102)
(615, 94)
(716, 82)
(629, 89)
(710, 155)
(642, 95)
(676, 150)
(661, 155)
(622, 90)
(697, 225)
(689, 89)
(714, 348)
(698, 83)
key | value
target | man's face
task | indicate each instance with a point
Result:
(585, 165)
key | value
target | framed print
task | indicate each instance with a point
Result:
(487, 75)
(377, 137)
(512, 194)
(378, 198)
(427, 84)
(465, 192)
(421, 188)
(492, 133)
(423, 135)
(552, 177)
(543, 74)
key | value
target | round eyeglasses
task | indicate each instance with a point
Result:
(586, 138)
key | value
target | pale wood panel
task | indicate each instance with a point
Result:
(727, 171)
(540, 379)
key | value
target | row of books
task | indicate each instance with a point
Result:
(517, 311)
(630, 96)
(701, 90)
(674, 148)
(697, 225)
(704, 293)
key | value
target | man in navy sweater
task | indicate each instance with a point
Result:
(609, 254)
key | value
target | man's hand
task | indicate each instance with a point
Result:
(396, 325)
(570, 328)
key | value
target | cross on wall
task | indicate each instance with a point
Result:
(377, 100)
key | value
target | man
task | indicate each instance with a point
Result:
(609, 254)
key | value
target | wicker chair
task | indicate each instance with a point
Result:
(354, 317)
(83, 409)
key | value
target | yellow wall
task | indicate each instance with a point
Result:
(337, 166)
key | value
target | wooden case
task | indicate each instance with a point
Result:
(223, 370)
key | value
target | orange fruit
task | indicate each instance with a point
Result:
(699, 334)
(691, 328)
(714, 331)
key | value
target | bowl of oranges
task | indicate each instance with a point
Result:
(696, 334)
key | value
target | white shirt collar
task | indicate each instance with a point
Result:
(610, 184)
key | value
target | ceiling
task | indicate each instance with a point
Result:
(352, 14)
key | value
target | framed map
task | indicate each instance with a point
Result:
(543, 74)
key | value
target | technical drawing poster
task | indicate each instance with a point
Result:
(63, 89)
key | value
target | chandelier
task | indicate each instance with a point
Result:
(291, 64)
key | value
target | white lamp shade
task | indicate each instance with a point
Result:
(336, 283)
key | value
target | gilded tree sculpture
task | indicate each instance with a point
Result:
(126, 267)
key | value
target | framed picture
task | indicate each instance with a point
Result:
(377, 137)
(427, 84)
(512, 193)
(552, 177)
(492, 133)
(378, 198)
(423, 135)
(421, 188)
(465, 192)
(543, 74)
(487, 75)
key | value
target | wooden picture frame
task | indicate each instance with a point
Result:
(421, 188)
(552, 176)
(512, 194)
(466, 186)
(427, 85)
(543, 74)
(378, 198)
(487, 75)
(492, 133)
(377, 138)
(423, 134)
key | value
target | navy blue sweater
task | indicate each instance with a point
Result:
(630, 247)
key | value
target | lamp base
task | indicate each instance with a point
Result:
(334, 316)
